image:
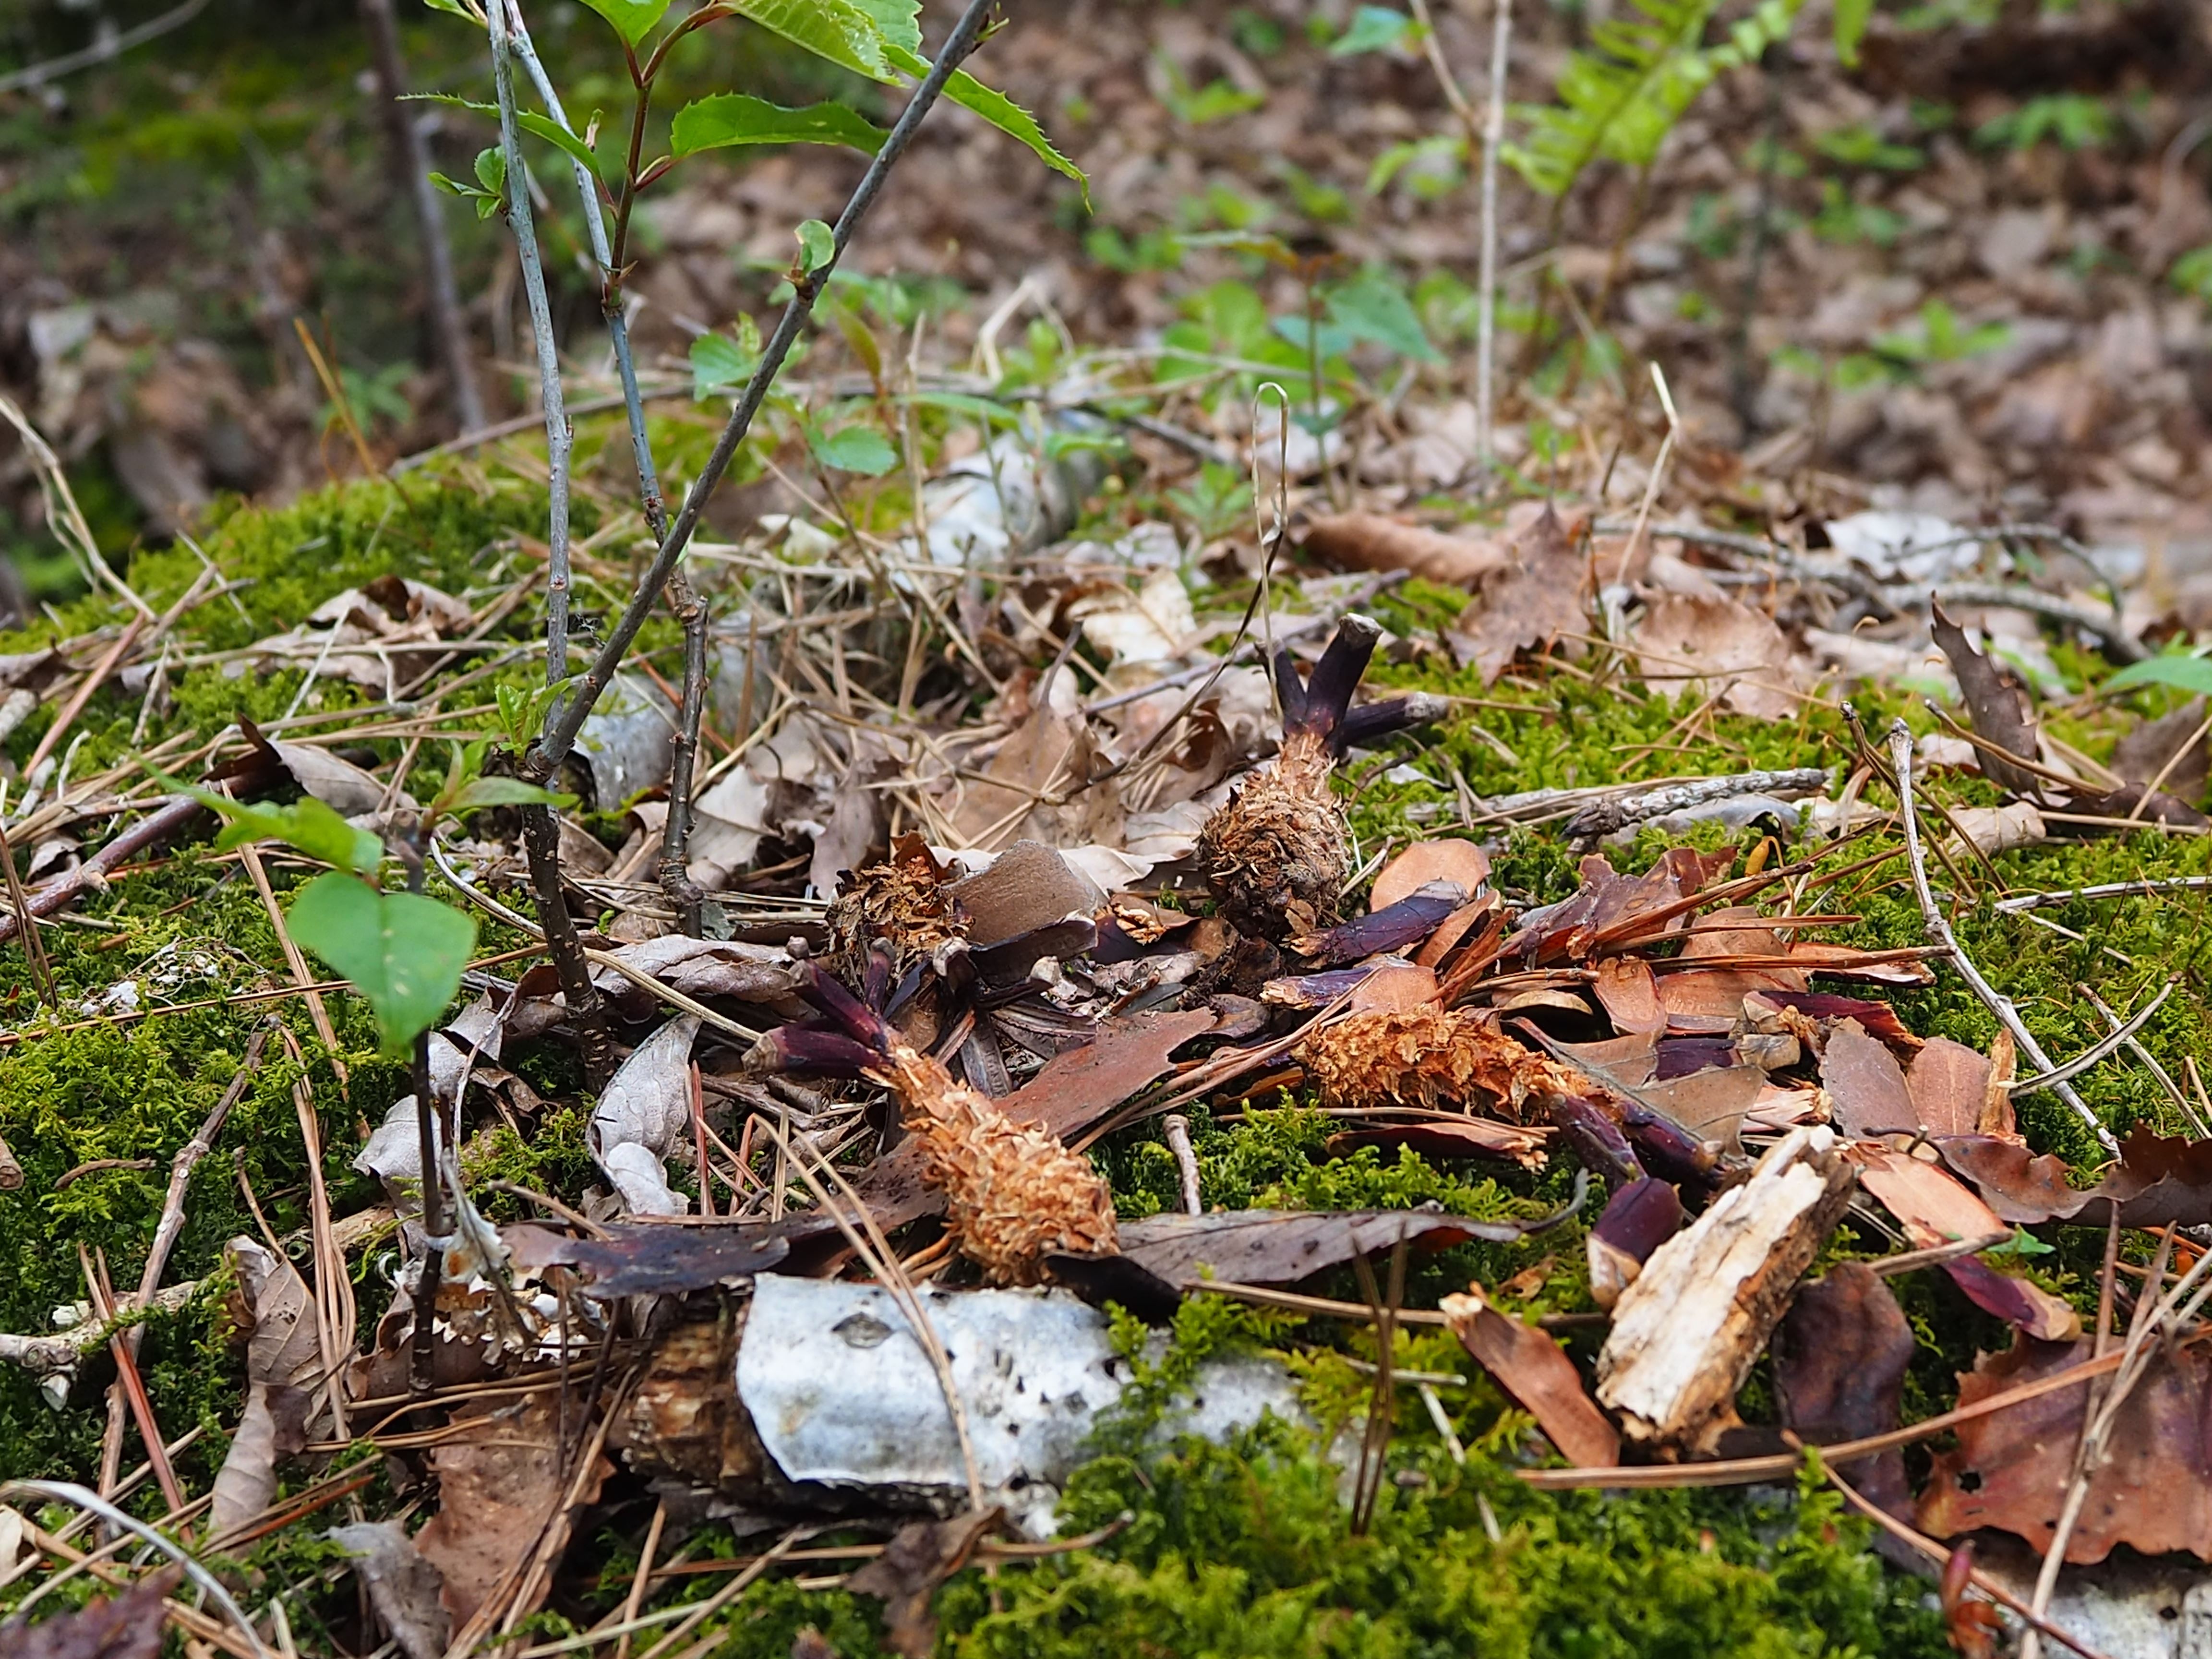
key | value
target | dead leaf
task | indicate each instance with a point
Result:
(1949, 1082)
(1702, 645)
(403, 1588)
(1866, 1086)
(1368, 541)
(126, 1625)
(2004, 714)
(1931, 1206)
(1027, 887)
(700, 967)
(920, 1557)
(1629, 993)
(1641, 1216)
(1839, 1364)
(2169, 751)
(1530, 1366)
(1393, 928)
(1543, 594)
(1994, 829)
(1461, 863)
(1395, 987)
(1710, 1104)
(644, 1113)
(501, 1488)
(1973, 1625)
(2153, 1491)
(1467, 1137)
(2157, 1182)
(283, 1357)
(1280, 1247)
(1078, 1086)
(649, 1261)
(1609, 908)
(2018, 1301)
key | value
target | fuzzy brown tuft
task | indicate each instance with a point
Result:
(1277, 852)
(1013, 1193)
(1425, 1056)
(902, 902)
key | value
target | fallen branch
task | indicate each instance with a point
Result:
(57, 895)
(1607, 816)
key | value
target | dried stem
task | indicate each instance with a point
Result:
(558, 435)
(541, 844)
(413, 157)
(683, 892)
(1176, 1127)
(1939, 930)
(34, 947)
(561, 730)
(1485, 322)
(420, 1362)
(64, 890)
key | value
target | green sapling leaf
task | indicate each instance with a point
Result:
(737, 118)
(859, 449)
(403, 952)
(717, 361)
(818, 245)
(633, 20)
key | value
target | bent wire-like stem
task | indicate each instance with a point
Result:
(568, 718)
(557, 436)
(611, 296)
(676, 836)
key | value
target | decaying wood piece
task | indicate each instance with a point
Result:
(1687, 1331)
(1604, 816)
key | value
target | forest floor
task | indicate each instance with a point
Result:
(966, 590)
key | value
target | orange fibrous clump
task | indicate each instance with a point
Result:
(1425, 1056)
(1277, 852)
(901, 901)
(1013, 1193)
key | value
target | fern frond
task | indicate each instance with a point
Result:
(1619, 100)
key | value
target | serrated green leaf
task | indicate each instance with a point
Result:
(859, 449)
(1374, 28)
(818, 245)
(717, 361)
(1017, 122)
(491, 170)
(307, 826)
(453, 186)
(1374, 307)
(561, 139)
(454, 6)
(480, 792)
(2190, 674)
(841, 31)
(899, 22)
(738, 118)
(403, 952)
(633, 20)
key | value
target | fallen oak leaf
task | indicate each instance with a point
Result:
(130, 1625)
(2158, 1181)
(918, 1558)
(1543, 594)
(283, 1357)
(1528, 1364)
(1461, 863)
(1840, 1356)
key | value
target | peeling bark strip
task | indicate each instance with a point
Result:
(1686, 1332)
(1607, 816)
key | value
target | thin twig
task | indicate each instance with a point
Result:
(560, 731)
(2149, 1061)
(1176, 1127)
(34, 947)
(2104, 1049)
(1485, 315)
(1939, 929)
(683, 894)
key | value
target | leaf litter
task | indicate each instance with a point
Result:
(990, 873)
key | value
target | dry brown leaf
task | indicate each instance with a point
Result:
(2003, 713)
(2158, 1181)
(1719, 645)
(1368, 541)
(129, 1624)
(1531, 1367)
(1948, 1083)
(403, 1588)
(500, 1487)
(1458, 1137)
(2152, 1492)
(1280, 1247)
(1543, 594)
(1461, 863)
(920, 1557)
(2169, 750)
(283, 1357)
(1866, 1086)
(1839, 1364)
(1932, 1208)
(1643, 1214)
(1078, 1086)
(1628, 991)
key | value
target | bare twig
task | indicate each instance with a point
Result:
(1176, 1127)
(104, 49)
(1606, 815)
(558, 435)
(2103, 1050)
(1651, 485)
(413, 157)
(35, 948)
(64, 890)
(2148, 1060)
(1939, 930)
(569, 721)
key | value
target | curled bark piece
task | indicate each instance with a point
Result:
(1687, 1331)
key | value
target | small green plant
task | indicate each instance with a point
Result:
(2192, 273)
(1940, 338)
(403, 950)
(1197, 106)
(2075, 120)
(1843, 221)
(1859, 145)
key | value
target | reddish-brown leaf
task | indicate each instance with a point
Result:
(1948, 1083)
(1458, 1137)
(920, 1557)
(1865, 1083)
(2158, 1181)
(1531, 1367)
(1368, 541)
(1463, 863)
(1541, 595)
(2153, 1491)
(1077, 1087)
(125, 1626)
(1840, 1362)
